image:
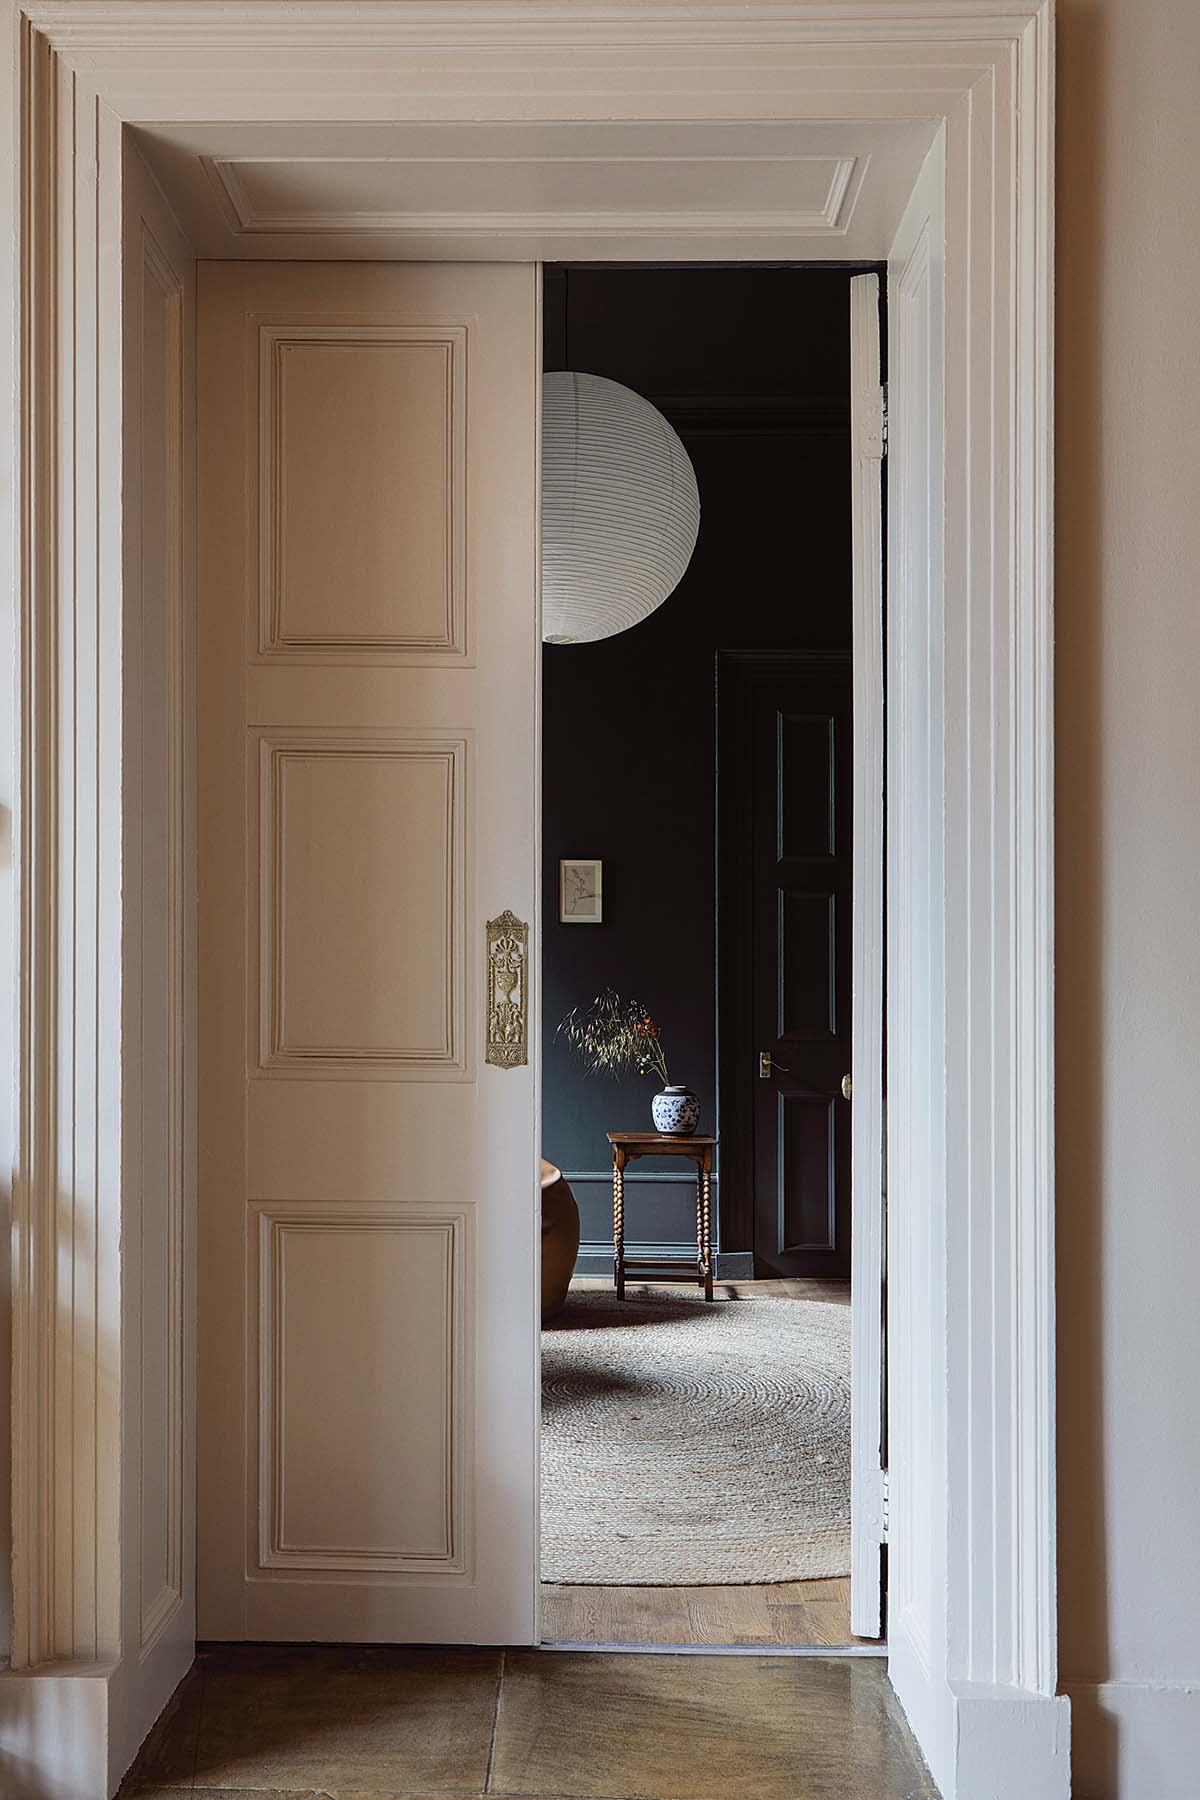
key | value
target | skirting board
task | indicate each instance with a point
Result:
(1134, 1740)
(69, 1730)
(1010, 1745)
(54, 1732)
(982, 1742)
(596, 1258)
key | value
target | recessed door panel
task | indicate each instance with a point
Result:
(359, 1468)
(807, 1173)
(362, 488)
(804, 772)
(362, 844)
(807, 954)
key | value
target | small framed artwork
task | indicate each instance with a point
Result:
(580, 891)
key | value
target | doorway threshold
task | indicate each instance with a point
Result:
(866, 1649)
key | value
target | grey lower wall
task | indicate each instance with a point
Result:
(659, 1208)
(660, 1220)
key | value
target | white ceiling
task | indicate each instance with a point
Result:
(792, 191)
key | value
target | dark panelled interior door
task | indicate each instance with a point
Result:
(794, 727)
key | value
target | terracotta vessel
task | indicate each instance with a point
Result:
(560, 1238)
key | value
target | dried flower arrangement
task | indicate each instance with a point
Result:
(616, 1037)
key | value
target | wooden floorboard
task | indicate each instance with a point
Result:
(776, 1615)
(779, 1615)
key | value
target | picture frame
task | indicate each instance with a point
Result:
(580, 890)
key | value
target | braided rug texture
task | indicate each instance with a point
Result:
(687, 1444)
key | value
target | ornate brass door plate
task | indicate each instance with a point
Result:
(507, 991)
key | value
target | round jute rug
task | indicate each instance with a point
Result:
(687, 1444)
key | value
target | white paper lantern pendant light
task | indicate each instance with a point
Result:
(620, 508)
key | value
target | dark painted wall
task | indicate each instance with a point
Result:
(751, 366)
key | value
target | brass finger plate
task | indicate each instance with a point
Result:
(507, 991)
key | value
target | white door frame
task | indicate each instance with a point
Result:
(973, 1632)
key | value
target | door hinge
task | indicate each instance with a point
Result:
(874, 427)
(883, 1507)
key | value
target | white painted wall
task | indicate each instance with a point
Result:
(1128, 836)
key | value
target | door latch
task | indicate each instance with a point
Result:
(766, 1063)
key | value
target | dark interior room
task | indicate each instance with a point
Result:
(751, 367)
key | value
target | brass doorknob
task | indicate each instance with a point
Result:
(847, 1087)
(766, 1063)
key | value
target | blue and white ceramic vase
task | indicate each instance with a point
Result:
(676, 1112)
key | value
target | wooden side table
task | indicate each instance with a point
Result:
(626, 1147)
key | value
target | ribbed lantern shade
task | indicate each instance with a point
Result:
(620, 508)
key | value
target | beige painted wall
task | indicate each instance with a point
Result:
(1128, 599)
(1128, 835)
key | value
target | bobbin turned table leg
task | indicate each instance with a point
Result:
(699, 1230)
(619, 1223)
(704, 1227)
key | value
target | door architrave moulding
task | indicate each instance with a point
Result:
(974, 1651)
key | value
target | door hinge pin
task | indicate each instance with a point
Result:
(883, 416)
(884, 1520)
